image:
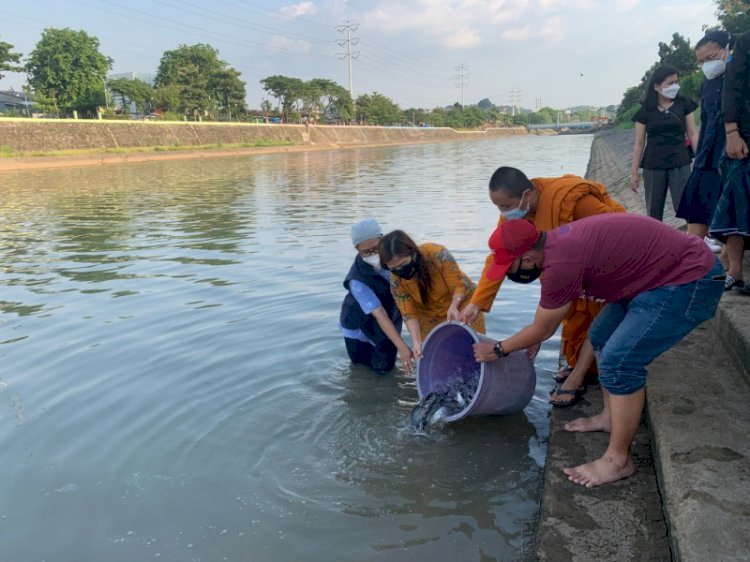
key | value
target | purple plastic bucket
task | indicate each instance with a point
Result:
(505, 385)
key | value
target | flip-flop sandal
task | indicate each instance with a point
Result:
(730, 281)
(562, 374)
(575, 393)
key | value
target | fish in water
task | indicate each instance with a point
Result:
(446, 401)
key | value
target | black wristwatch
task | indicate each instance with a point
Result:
(498, 349)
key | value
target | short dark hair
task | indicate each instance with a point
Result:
(722, 38)
(511, 181)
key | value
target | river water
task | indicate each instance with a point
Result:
(173, 385)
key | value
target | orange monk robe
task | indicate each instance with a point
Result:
(561, 200)
(447, 281)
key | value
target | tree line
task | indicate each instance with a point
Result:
(67, 74)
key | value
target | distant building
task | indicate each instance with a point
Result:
(15, 102)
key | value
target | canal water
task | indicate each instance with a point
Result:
(174, 387)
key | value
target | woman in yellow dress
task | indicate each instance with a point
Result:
(427, 284)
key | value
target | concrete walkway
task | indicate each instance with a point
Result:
(690, 497)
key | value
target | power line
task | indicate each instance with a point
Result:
(348, 27)
(462, 76)
(515, 99)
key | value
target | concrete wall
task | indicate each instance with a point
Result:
(47, 135)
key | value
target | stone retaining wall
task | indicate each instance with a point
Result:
(48, 135)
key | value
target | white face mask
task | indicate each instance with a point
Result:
(714, 68)
(670, 92)
(374, 261)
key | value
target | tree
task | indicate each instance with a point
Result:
(485, 104)
(631, 98)
(136, 91)
(286, 90)
(340, 103)
(377, 109)
(230, 90)
(67, 68)
(678, 53)
(544, 116)
(201, 81)
(733, 15)
(7, 58)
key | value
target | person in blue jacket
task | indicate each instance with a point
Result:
(704, 186)
(370, 320)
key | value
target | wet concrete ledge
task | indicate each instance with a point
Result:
(690, 497)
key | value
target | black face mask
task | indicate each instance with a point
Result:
(524, 275)
(406, 271)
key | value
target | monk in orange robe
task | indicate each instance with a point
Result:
(549, 203)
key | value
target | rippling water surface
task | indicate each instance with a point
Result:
(173, 385)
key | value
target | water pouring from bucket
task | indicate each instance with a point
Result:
(452, 384)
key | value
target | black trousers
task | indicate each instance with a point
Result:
(380, 358)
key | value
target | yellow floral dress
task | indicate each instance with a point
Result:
(447, 281)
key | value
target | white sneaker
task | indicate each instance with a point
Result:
(713, 244)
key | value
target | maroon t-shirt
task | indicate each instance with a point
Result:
(616, 256)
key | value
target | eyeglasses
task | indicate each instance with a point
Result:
(368, 253)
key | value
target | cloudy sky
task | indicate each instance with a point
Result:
(561, 53)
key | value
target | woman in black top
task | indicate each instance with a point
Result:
(662, 125)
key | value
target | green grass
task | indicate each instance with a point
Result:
(8, 152)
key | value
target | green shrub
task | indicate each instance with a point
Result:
(172, 116)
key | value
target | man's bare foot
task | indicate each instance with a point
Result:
(603, 470)
(600, 422)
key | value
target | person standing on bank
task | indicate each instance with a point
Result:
(427, 284)
(664, 132)
(658, 283)
(731, 223)
(704, 185)
(370, 319)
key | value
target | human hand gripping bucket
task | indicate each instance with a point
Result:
(505, 385)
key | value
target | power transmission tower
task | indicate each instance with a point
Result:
(538, 104)
(348, 26)
(462, 76)
(515, 99)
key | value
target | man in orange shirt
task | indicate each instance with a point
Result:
(548, 203)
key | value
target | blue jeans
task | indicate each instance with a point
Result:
(629, 334)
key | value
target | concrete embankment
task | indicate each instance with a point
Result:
(77, 138)
(690, 497)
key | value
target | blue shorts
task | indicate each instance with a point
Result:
(629, 334)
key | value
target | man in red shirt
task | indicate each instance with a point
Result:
(658, 284)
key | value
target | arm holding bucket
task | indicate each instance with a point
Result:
(545, 323)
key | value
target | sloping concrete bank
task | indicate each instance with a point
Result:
(40, 136)
(692, 452)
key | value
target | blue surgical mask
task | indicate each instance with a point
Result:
(516, 213)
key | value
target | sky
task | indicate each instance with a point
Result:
(557, 53)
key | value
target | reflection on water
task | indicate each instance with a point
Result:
(174, 387)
